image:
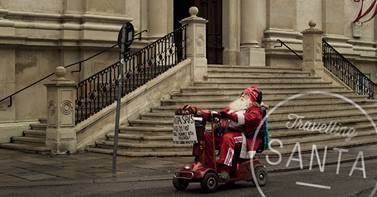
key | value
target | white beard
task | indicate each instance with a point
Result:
(239, 104)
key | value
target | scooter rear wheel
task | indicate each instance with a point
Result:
(210, 182)
(180, 184)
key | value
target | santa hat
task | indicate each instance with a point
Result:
(252, 92)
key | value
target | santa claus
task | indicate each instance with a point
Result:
(240, 120)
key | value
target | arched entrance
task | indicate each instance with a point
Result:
(212, 11)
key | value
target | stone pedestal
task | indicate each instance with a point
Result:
(312, 50)
(252, 56)
(61, 95)
(196, 44)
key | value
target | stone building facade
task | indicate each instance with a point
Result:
(36, 36)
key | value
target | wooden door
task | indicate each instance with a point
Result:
(212, 11)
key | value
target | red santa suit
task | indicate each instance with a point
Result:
(241, 127)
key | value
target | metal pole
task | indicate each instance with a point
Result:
(119, 96)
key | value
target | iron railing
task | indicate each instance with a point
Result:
(99, 90)
(79, 63)
(341, 67)
(289, 48)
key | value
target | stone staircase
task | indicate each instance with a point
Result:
(33, 139)
(151, 134)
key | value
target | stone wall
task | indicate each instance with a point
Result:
(287, 18)
(37, 36)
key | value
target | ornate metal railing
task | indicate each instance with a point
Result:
(99, 90)
(79, 63)
(341, 67)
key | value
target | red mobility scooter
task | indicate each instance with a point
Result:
(206, 173)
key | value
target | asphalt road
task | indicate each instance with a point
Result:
(280, 184)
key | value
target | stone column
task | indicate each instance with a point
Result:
(61, 95)
(160, 18)
(333, 20)
(312, 50)
(196, 44)
(251, 52)
(231, 31)
(7, 69)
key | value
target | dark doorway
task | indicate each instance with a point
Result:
(212, 11)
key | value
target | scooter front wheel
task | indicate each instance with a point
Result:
(261, 175)
(180, 184)
(210, 182)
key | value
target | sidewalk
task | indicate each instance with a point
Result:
(24, 169)
(18, 169)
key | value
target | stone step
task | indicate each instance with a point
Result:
(285, 133)
(169, 111)
(323, 138)
(279, 131)
(141, 154)
(285, 108)
(259, 68)
(145, 136)
(334, 143)
(43, 120)
(147, 130)
(264, 88)
(26, 147)
(138, 147)
(276, 84)
(34, 133)
(249, 70)
(274, 122)
(300, 101)
(141, 138)
(38, 126)
(28, 140)
(339, 109)
(323, 115)
(266, 98)
(276, 114)
(251, 75)
(236, 93)
(345, 121)
(260, 79)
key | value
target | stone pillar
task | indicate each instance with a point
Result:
(231, 31)
(196, 44)
(312, 50)
(251, 52)
(160, 18)
(7, 69)
(281, 23)
(333, 20)
(61, 95)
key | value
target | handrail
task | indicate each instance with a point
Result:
(283, 44)
(100, 89)
(67, 66)
(346, 71)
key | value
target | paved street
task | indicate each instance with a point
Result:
(88, 174)
(280, 184)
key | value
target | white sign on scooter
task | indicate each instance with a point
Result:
(184, 129)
